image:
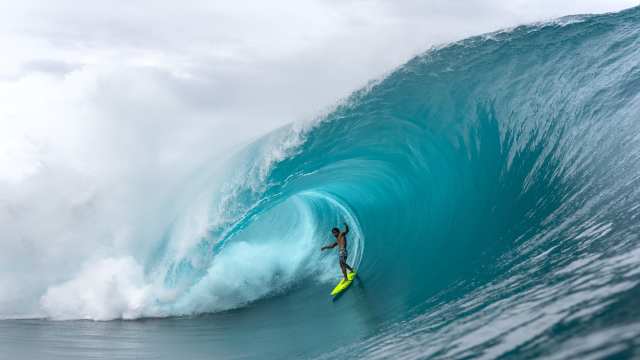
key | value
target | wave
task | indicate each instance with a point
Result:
(492, 189)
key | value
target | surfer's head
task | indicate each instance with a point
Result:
(335, 231)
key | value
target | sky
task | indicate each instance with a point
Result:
(106, 108)
(153, 71)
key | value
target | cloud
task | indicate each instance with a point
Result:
(49, 66)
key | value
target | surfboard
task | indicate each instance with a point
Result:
(343, 284)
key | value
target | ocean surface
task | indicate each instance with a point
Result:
(492, 187)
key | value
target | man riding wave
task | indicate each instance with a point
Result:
(341, 243)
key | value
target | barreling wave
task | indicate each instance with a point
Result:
(492, 189)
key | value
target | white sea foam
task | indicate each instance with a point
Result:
(107, 289)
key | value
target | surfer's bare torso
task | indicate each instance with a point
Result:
(342, 241)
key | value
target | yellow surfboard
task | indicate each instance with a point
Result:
(343, 284)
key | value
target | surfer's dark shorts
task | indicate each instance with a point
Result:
(342, 256)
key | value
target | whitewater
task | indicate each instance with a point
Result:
(492, 189)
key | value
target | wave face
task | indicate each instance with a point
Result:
(492, 188)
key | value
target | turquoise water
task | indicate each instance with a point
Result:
(492, 190)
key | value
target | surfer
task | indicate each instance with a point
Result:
(341, 243)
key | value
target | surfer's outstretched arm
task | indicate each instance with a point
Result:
(331, 246)
(346, 228)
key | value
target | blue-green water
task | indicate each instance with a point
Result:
(492, 187)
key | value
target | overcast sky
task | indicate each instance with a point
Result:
(170, 72)
(106, 106)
